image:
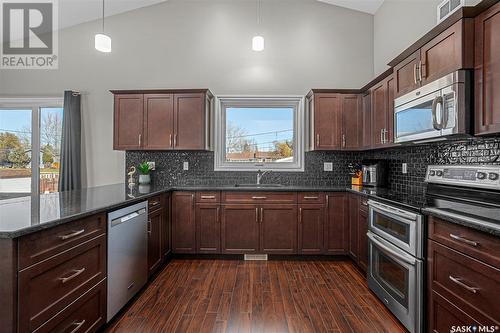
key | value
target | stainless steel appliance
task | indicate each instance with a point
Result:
(127, 255)
(467, 193)
(374, 173)
(439, 109)
(395, 264)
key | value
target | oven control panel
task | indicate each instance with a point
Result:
(482, 176)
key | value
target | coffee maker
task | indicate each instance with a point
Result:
(374, 173)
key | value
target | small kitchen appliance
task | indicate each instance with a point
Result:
(374, 173)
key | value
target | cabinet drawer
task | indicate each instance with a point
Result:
(208, 197)
(258, 197)
(471, 285)
(50, 286)
(311, 197)
(155, 203)
(86, 314)
(363, 204)
(47, 243)
(443, 315)
(475, 243)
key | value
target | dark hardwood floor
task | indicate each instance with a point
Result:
(266, 296)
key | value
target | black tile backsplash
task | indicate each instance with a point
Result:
(201, 165)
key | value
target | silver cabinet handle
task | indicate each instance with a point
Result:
(192, 200)
(458, 281)
(72, 276)
(257, 215)
(420, 71)
(317, 140)
(149, 227)
(415, 73)
(170, 140)
(155, 203)
(206, 197)
(382, 136)
(218, 215)
(300, 215)
(343, 140)
(310, 198)
(71, 235)
(259, 198)
(464, 240)
(175, 140)
(140, 139)
(261, 214)
(78, 324)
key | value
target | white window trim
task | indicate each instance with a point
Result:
(33, 103)
(259, 101)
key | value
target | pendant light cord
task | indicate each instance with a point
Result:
(258, 12)
(103, 16)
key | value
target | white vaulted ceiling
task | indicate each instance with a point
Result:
(366, 6)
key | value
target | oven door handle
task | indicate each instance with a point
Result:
(396, 212)
(379, 242)
(437, 100)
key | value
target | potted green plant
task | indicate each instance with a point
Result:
(144, 170)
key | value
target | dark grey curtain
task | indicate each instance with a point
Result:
(70, 169)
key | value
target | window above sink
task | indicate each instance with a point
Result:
(259, 133)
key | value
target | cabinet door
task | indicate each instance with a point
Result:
(363, 239)
(183, 223)
(405, 74)
(278, 229)
(189, 121)
(128, 121)
(158, 121)
(379, 114)
(449, 51)
(208, 228)
(166, 230)
(389, 112)
(367, 122)
(240, 229)
(155, 254)
(327, 121)
(337, 224)
(350, 122)
(311, 224)
(487, 71)
(353, 227)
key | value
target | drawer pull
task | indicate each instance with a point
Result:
(74, 275)
(207, 197)
(464, 240)
(463, 285)
(78, 324)
(256, 198)
(71, 235)
(311, 198)
(155, 203)
(364, 203)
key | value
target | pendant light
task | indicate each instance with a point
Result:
(258, 40)
(103, 41)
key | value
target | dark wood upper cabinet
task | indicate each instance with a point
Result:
(406, 74)
(278, 229)
(382, 112)
(389, 134)
(327, 121)
(158, 121)
(311, 228)
(240, 229)
(367, 121)
(183, 223)
(487, 71)
(353, 226)
(128, 122)
(162, 119)
(337, 224)
(351, 131)
(208, 225)
(155, 254)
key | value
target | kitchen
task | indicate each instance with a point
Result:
(261, 165)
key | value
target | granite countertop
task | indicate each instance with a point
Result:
(24, 215)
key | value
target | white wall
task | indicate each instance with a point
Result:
(198, 44)
(397, 24)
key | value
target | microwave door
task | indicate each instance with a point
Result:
(416, 120)
(448, 118)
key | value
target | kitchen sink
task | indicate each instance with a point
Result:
(258, 185)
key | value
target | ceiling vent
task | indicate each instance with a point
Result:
(448, 7)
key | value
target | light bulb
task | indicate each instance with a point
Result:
(103, 43)
(258, 43)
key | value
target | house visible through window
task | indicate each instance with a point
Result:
(259, 133)
(30, 145)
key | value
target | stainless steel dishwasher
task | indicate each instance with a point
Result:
(127, 255)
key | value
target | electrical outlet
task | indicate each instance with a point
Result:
(404, 168)
(328, 166)
(185, 166)
(152, 165)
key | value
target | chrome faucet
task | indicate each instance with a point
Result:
(261, 174)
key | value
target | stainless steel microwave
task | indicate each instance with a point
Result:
(436, 111)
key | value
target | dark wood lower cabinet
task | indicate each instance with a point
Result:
(166, 230)
(353, 226)
(336, 224)
(155, 254)
(208, 228)
(363, 239)
(278, 229)
(183, 223)
(240, 229)
(311, 228)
